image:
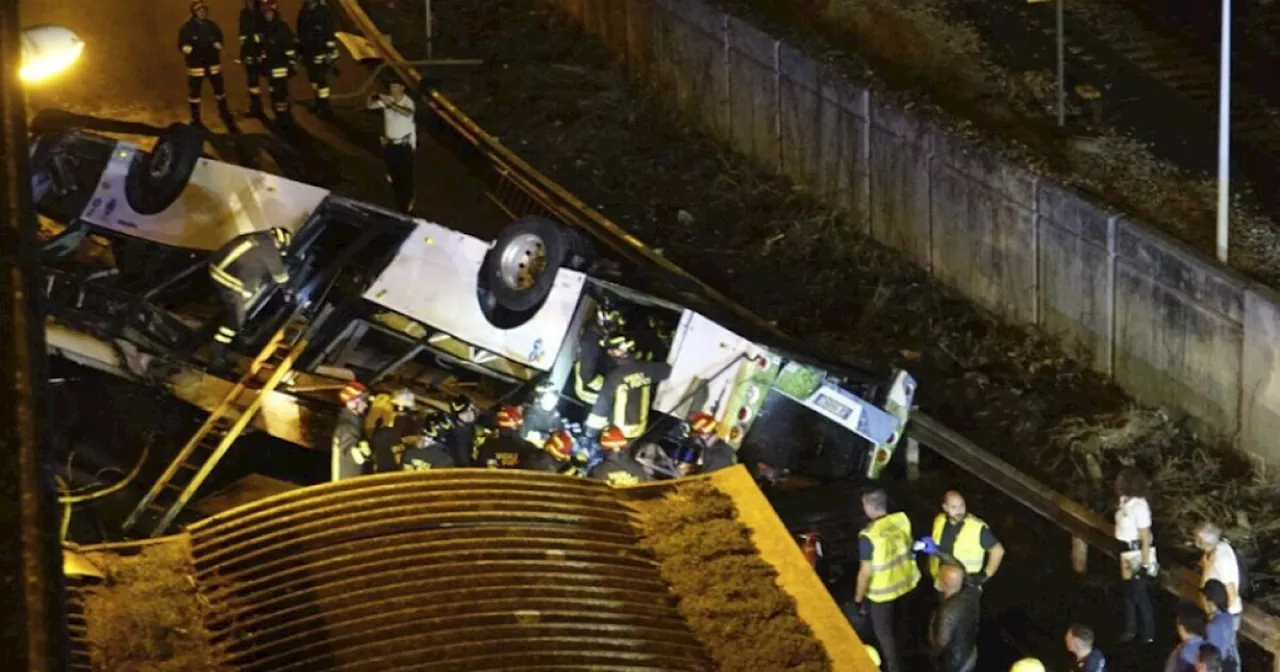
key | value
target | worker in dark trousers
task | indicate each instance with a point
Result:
(200, 41)
(591, 365)
(704, 452)
(627, 390)
(251, 54)
(280, 58)
(244, 270)
(966, 538)
(617, 467)
(505, 449)
(953, 630)
(430, 451)
(387, 440)
(462, 438)
(350, 451)
(319, 48)
(399, 140)
(887, 571)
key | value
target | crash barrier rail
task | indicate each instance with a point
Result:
(522, 181)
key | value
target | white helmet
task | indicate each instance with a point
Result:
(404, 399)
(1028, 665)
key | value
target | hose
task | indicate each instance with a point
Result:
(70, 499)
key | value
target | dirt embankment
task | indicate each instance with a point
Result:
(562, 103)
(727, 593)
(146, 614)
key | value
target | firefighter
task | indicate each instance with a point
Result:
(626, 393)
(251, 53)
(279, 60)
(350, 450)
(704, 452)
(506, 448)
(430, 451)
(319, 48)
(387, 440)
(617, 467)
(589, 369)
(557, 454)
(200, 41)
(244, 270)
(541, 419)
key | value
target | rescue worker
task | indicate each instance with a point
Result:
(966, 538)
(319, 46)
(589, 369)
(886, 572)
(558, 450)
(251, 54)
(200, 41)
(349, 448)
(387, 439)
(430, 451)
(279, 61)
(243, 271)
(506, 449)
(617, 467)
(627, 390)
(399, 140)
(541, 419)
(704, 452)
(462, 438)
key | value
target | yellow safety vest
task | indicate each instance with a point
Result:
(893, 571)
(967, 549)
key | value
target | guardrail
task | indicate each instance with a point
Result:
(527, 189)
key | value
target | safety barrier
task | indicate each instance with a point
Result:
(1086, 527)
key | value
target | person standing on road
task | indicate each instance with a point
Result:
(1079, 640)
(1218, 561)
(967, 539)
(1138, 559)
(1189, 623)
(1220, 628)
(319, 45)
(953, 631)
(349, 449)
(886, 572)
(280, 58)
(399, 140)
(251, 54)
(200, 41)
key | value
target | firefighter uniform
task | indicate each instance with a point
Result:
(387, 441)
(349, 449)
(885, 543)
(200, 41)
(427, 455)
(506, 451)
(279, 59)
(243, 271)
(619, 469)
(251, 53)
(967, 542)
(461, 439)
(625, 396)
(319, 48)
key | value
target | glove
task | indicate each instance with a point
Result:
(925, 545)
(361, 452)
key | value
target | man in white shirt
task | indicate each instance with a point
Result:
(1218, 561)
(399, 140)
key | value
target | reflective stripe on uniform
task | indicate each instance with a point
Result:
(587, 392)
(620, 399)
(225, 335)
(215, 69)
(279, 73)
(281, 277)
(967, 548)
(195, 72)
(235, 253)
(290, 53)
(323, 92)
(186, 48)
(193, 101)
(255, 90)
(893, 573)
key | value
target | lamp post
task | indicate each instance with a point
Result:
(1062, 60)
(34, 637)
(1224, 136)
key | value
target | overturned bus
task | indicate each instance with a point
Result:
(386, 298)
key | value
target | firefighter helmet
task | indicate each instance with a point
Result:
(271, 6)
(197, 5)
(352, 391)
(702, 423)
(434, 424)
(282, 236)
(404, 399)
(612, 439)
(459, 403)
(609, 318)
(560, 445)
(619, 342)
(510, 417)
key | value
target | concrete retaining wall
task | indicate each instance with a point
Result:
(1169, 326)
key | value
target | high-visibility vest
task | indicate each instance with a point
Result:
(967, 549)
(893, 570)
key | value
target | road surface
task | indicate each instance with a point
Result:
(132, 70)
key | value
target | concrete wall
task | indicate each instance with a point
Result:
(1170, 327)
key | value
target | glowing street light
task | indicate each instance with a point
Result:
(48, 51)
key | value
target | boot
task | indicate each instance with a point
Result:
(323, 108)
(228, 119)
(195, 114)
(255, 108)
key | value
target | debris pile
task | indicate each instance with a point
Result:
(727, 592)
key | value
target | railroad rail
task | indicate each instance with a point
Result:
(516, 184)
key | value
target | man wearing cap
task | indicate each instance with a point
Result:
(350, 451)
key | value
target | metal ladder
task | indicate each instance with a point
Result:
(197, 459)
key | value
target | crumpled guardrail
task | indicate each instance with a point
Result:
(1083, 524)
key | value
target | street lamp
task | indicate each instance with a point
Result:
(1224, 136)
(48, 51)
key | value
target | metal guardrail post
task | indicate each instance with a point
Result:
(913, 459)
(33, 636)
